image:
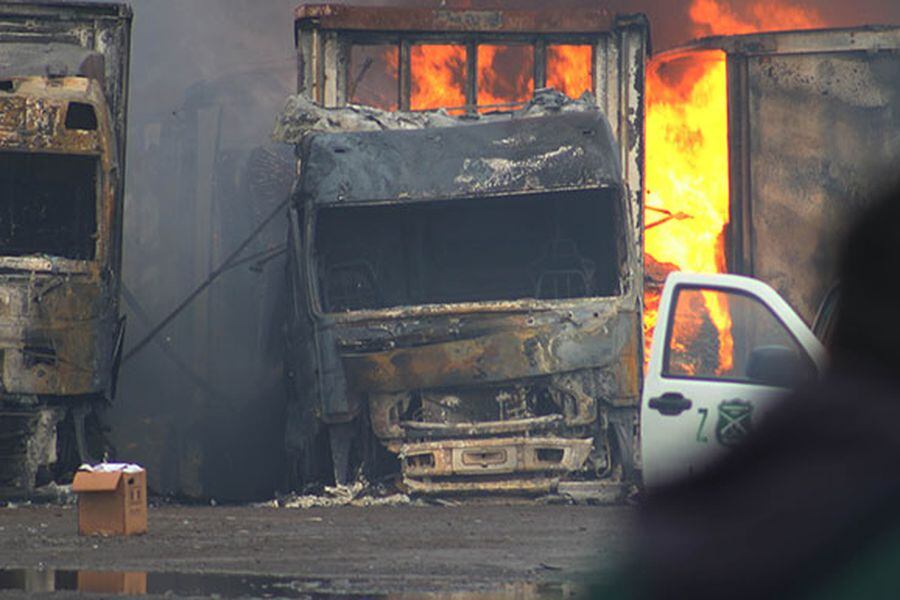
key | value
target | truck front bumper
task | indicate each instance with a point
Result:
(512, 465)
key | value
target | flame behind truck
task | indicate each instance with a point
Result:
(801, 178)
(467, 296)
(63, 106)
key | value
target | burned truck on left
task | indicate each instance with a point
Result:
(63, 106)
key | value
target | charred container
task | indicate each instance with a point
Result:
(63, 91)
(468, 297)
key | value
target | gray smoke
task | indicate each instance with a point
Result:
(201, 406)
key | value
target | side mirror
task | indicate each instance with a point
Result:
(778, 366)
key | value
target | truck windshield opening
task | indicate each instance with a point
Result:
(48, 205)
(550, 246)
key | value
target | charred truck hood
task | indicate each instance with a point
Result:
(515, 308)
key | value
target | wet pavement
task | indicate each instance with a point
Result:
(34, 581)
(525, 552)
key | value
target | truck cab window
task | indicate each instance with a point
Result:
(48, 205)
(726, 335)
(505, 76)
(438, 76)
(569, 69)
(550, 246)
(374, 78)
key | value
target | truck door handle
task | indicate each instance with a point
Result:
(671, 404)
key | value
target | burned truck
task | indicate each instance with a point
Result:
(465, 292)
(469, 293)
(63, 93)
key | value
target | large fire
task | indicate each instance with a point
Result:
(687, 197)
(505, 75)
(569, 69)
(687, 200)
(438, 76)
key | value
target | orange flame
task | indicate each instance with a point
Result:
(439, 76)
(687, 176)
(569, 69)
(711, 17)
(505, 74)
(687, 197)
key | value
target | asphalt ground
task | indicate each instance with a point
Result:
(376, 549)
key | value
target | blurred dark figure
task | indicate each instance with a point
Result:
(810, 507)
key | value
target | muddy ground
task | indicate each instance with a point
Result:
(381, 549)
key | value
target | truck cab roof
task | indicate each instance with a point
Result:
(571, 151)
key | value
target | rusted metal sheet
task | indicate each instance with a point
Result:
(814, 137)
(34, 115)
(54, 335)
(100, 27)
(392, 18)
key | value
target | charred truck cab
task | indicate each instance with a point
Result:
(62, 121)
(468, 297)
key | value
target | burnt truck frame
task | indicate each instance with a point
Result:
(63, 109)
(485, 389)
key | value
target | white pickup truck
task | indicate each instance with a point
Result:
(725, 350)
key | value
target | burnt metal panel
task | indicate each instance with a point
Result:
(501, 356)
(571, 151)
(101, 27)
(392, 18)
(620, 66)
(821, 138)
(872, 38)
(41, 60)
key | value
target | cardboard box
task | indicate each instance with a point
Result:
(112, 500)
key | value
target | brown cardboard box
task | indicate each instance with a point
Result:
(112, 500)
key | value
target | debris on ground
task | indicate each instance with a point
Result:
(358, 494)
(590, 493)
(52, 494)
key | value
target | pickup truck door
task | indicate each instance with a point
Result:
(725, 348)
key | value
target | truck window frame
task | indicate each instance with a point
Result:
(667, 349)
(404, 41)
(623, 243)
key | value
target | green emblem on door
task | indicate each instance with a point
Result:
(735, 422)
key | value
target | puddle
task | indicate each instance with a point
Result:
(243, 586)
